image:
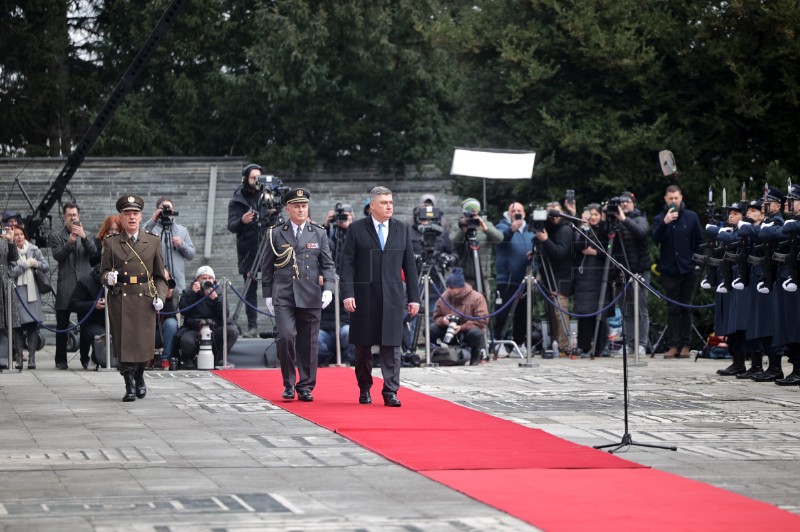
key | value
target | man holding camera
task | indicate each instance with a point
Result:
(201, 302)
(678, 232)
(630, 248)
(297, 255)
(243, 222)
(179, 249)
(73, 248)
(336, 224)
(473, 233)
(554, 242)
(513, 256)
(454, 320)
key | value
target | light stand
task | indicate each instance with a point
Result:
(626, 440)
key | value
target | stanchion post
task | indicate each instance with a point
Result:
(108, 330)
(9, 321)
(337, 322)
(528, 318)
(637, 362)
(225, 364)
(426, 314)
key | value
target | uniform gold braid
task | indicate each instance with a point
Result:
(151, 284)
(284, 257)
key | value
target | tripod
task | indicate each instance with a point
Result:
(500, 339)
(264, 222)
(427, 267)
(626, 440)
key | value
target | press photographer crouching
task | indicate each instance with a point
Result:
(464, 331)
(194, 314)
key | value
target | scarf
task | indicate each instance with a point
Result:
(26, 277)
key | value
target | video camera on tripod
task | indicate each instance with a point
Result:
(271, 191)
(165, 218)
(429, 220)
(537, 218)
(470, 222)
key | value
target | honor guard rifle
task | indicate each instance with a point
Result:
(711, 258)
(789, 258)
(765, 252)
(739, 258)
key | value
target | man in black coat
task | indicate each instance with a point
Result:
(243, 222)
(83, 301)
(379, 284)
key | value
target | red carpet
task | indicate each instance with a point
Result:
(539, 478)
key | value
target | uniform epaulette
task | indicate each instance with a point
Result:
(151, 233)
(315, 224)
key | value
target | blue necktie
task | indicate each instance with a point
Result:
(380, 235)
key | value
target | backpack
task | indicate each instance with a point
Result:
(450, 356)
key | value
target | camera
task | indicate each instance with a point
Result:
(166, 210)
(207, 285)
(4, 231)
(538, 218)
(340, 214)
(451, 328)
(518, 216)
(612, 205)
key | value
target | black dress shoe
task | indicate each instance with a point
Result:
(750, 373)
(62, 365)
(305, 395)
(391, 399)
(85, 364)
(771, 374)
(288, 392)
(792, 379)
(732, 370)
(364, 398)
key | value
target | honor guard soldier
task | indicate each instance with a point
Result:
(788, 280)
(133, 270)
(297, 255)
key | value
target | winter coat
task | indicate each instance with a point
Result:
(246, 234)
(679, 241)
(8, 256)
(469, 303)
(381, 281)
(34, 308)
(74, 261)
(511, 256)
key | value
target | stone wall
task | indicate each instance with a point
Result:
(187, 181)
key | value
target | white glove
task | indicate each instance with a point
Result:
(270, 306)
(741, 223)
(158, 304)
(704, 284)
(111, 278)
(726, 230)
(327, 297)
(738, 284)
(762, 288)
(721, 289)
(789, 285)
(32, 263)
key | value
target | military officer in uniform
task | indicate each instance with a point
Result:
(297, 255)
(133, 270)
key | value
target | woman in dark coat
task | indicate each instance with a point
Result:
(590, 265)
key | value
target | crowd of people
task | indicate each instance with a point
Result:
(581, 262)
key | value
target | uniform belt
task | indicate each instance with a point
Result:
(132, 279)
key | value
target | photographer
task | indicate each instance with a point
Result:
(513, 258)
(243, 222)
(554, 242)
(193, 314)
(630, 248)
(473, 233)
(467, 302)
(336, 224)
(163, 221)
(590, 265)
(678, 232)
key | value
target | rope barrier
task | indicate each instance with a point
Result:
(240, 296)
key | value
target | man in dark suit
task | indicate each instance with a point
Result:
(133, 270)
(297, 255)
(379, 284)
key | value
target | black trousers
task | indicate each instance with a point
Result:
(679, 288)
(519, 334)
(251, 296)
(389, 356)
(88, 332)
(62, 322)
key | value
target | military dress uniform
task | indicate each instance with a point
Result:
(140, 280)
(291, 269)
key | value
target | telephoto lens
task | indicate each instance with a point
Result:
(207, 285)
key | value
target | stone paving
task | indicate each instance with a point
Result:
(200, 454)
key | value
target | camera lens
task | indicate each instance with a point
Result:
(207, 285)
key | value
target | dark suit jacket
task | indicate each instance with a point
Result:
(313, 259)
(375, 279)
